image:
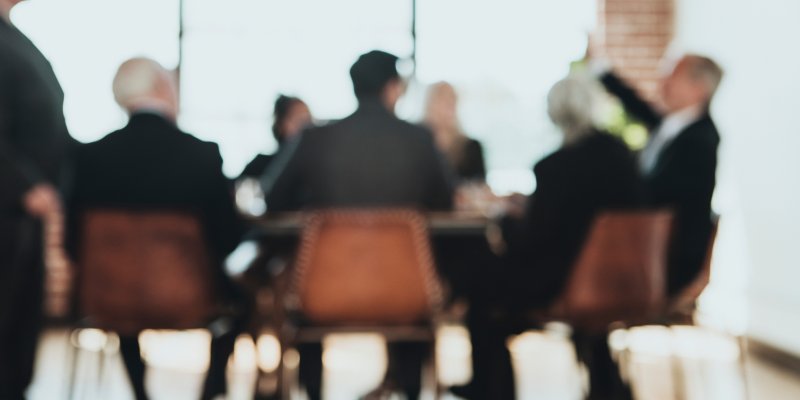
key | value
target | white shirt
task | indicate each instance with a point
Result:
(672, 125)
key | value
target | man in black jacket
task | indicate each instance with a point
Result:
(369, 159)
(33, 145)
(151, 165)
(680, 161)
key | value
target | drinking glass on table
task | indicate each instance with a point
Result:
(477, 197)
(250, 197)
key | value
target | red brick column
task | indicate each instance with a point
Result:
(635, 34)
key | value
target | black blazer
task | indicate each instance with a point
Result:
(151, 165)
(257, 166)
(33, 134)
(471, 165)
(683, 179)
(573, 185)
(369, 159)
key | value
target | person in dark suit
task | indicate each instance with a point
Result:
(680, 160)
(290, 117)
(369, 159)
(590, 173)
(464, 154)
(151, 164)
(34, 143)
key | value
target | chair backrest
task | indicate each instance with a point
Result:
(620, 273)
(370, 267)
(144, 270)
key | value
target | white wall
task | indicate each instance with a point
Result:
(757, 262)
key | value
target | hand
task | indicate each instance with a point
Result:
(515, 205)
(42, 201)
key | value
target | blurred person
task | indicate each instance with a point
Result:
(590, 173)
(290, 117)
(150, 164)
(679, 162)
(33, 145)
(465, 155)
(369, 159)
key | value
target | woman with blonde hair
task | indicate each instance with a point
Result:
(465, 155)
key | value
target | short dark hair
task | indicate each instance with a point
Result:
(283, 104)
(372, 71)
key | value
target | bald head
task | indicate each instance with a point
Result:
(5, 8)
(141, 83)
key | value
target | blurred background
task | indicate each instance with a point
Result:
(235, 57)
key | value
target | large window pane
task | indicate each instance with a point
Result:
(86, 40)
(503, 56)
(240, 54)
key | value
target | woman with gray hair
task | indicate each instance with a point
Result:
(573, 105)
(590, 173)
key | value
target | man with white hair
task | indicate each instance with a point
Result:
(591, 172)
(33, 145)
(680, 161)
(150, 164)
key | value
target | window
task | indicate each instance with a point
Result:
(240, 54)
(503, 56)
(86, 40)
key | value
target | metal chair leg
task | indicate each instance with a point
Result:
(743, 356)
(74, 356)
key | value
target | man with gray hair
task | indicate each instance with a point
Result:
(680, 161)
(150, 164)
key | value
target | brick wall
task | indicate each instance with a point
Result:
(635, 34)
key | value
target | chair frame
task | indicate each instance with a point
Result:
(293, 334)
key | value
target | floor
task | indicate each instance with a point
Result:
(653, 359)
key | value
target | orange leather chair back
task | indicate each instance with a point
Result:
(365, 268)
(620, 273)
(144, 270)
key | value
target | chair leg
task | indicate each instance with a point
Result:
(288, 371)
(434, 373)
(743, 356)
(678, 382)
(72, 364)
(101, 363)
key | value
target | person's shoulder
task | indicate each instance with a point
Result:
(550, 162)
(706, 130)
(605, 139)
(416, 132)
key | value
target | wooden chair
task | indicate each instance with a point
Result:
(364, 271)
(140, 270)
(620, 275)
(144, 270)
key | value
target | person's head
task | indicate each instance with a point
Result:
(6, 6)
(141, 83)
(572, 105)
(692, 82)
(291, 115)
(375, 76)
(441, 109)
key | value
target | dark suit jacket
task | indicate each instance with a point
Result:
(33, 134)
(151, 165)
(574, 184)
(257, 166)
(471, 165)
(683, 179)
(369, 159)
